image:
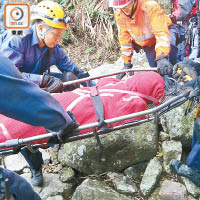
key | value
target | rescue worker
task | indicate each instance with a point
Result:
(37, 49)
(26, 102)
(142, 24)
(45, 110)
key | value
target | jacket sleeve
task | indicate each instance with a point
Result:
(26, 102)
(125, 40)
(35, 78)
(159, 22)
(66, 64)
(14, 50)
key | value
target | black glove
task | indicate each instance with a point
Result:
(164, 67)
(51, 83)
(70, 130)
(187, 67)
(126, 66)
(193, 86)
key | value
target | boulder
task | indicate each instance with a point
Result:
(93, 189)
(122, 148)
(179, 126)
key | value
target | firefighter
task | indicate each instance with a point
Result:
(142, 24)
(37, 49)
(26, 102)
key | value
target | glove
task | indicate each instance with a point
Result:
(51, 83)
(70, 130)
(164, 66)
(187, 67)
(193, 86)
(126, 66)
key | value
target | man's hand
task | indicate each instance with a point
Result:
(70, 130)
(164, 66)
(187, 69)
(126, 66)
(51, 83)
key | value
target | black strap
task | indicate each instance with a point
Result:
(48, 54)
(98, 105)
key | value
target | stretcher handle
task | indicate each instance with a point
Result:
(111, 74)
(18, 142)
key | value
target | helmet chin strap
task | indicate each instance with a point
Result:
(132, 11)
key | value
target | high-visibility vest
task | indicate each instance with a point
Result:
(148, 26)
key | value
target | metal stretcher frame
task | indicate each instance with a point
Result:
(153, 114)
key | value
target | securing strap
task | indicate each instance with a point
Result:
(98, 105)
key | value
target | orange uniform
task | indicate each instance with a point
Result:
(148, 26)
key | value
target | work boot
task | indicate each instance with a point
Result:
(36, 177)
(182, 169)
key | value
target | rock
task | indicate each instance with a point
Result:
(179, 126)
(122, 183)
(45, 156)
(172, 191)
(138, 60)
(96, 190)
(191, 187)
(171, 150)
(67, 174)
(58, 168)
(163, 136)
(136, 171)
(52, 187)
(127, 147)
(191, 198)
(151, 177)
(15, 162)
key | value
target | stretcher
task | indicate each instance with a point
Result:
(174, 97)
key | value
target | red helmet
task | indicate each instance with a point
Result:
(119, 3)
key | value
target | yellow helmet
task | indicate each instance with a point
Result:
(52, 14)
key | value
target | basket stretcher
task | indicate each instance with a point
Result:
(40, 137)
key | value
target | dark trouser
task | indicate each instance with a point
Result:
(34, 160)
(193, 160)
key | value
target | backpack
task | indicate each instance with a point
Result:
(183, 10)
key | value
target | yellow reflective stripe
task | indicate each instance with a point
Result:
(164, 37)
(151, 2)
(126, 53)
(144, 37)
(118, 29)
(147, 22)
(127, 46)
(162, 44)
